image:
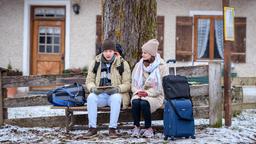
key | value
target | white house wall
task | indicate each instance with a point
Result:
(83, 33)
(83, 29)
(246, 8)
(172, 8)
(11, 33)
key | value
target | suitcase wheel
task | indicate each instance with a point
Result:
(172, 138)
(166, 138)
(193, 137)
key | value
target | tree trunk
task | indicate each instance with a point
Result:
(130, 23)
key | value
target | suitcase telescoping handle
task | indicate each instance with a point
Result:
(172, 61)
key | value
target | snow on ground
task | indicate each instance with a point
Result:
(243, 130)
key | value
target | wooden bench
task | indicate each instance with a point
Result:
(125, 115)
(70, 117)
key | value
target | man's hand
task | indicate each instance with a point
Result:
(142, 93)
(96, 91)
(112, 90)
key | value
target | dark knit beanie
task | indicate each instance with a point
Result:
(108, 45)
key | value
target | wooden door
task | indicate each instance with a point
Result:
(48, 47)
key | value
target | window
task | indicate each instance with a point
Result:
(208, 39)
(43, 12)
(49, 39)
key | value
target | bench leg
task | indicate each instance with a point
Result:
(69, 120)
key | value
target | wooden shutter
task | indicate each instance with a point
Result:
(160, 34)
(184, 26)
(239, 49)
(99, 32)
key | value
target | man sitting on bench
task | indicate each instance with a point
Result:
(108, 81)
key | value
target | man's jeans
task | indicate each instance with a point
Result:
(102, 100)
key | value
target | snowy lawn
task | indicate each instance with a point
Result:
(243, 130)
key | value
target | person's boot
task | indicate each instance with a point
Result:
(112, 133)
(92, 132)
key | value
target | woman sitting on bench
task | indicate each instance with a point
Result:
(147, 87)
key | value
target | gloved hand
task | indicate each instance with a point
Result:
(112, 90)
(96, 91)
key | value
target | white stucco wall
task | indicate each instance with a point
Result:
(11, 32)
(83, 30)
(83, 33)
(172, 8)
(247, 9)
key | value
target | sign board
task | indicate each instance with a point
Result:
(229, 24)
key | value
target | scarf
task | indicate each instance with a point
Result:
(154, 78)
(105, 76)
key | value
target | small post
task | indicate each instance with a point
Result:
(3, 95)
(215, 95)
(1, 101)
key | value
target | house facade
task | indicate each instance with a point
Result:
(47, 36)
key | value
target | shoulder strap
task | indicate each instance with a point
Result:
(96, 66)
(121, 68)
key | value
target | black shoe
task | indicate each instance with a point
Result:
(92, 132)
(112, 133)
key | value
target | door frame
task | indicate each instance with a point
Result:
(27, 34)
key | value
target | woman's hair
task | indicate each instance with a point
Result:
(149, 61)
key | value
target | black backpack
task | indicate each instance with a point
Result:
(119, 68)
(176, 86)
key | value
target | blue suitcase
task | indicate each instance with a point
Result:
(178, 119)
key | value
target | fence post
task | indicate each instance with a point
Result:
(215, 95)
(1, 101)
(3, 95)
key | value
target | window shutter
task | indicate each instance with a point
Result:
(160, 34)
(184, 26)
(239, 48)
(99, 32)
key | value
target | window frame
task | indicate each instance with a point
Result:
(211, 43)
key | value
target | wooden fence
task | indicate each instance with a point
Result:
(204, 106)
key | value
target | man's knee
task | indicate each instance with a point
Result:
(116, 98)
(92, 98)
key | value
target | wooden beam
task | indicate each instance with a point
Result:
(198, 92)
(202, 100)
(39, 80)
(39, 100)
(195, 71)
(59, 121)
(241, 106)
(158, 128)
(215, 95)
(243, 81)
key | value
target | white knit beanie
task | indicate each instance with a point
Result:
(151, 47)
